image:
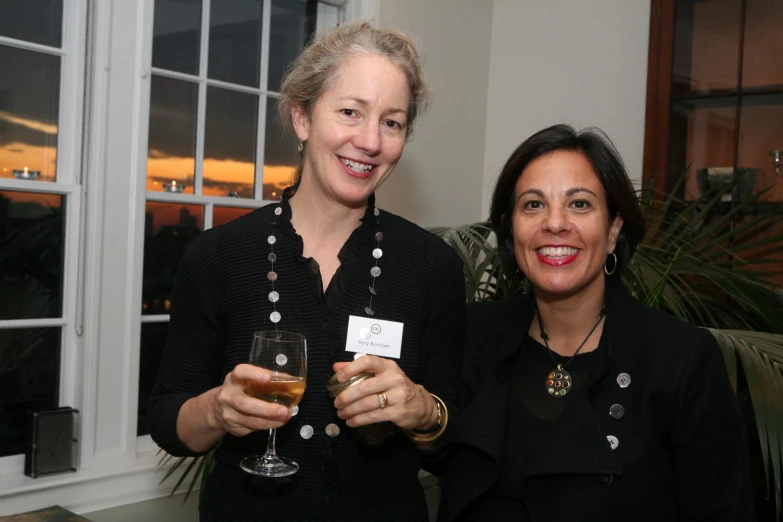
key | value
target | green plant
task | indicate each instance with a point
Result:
(688, 264)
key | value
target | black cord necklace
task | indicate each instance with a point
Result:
(559, 382)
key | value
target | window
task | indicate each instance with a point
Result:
(40, 109)
(215, 147)
(103, 107)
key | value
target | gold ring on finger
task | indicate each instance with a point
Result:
(383, 400)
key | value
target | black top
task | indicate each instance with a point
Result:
(533, 416)
(655, 434)
(221, 297)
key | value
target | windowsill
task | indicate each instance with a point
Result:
(14, 484)
(101, 486)
(106, 484)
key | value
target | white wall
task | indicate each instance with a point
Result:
(438, 180)
(582, 62)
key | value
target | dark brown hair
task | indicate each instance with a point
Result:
(609, 168)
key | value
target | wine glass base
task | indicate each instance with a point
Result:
(269, 466)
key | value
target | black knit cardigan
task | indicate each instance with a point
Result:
(221, 297)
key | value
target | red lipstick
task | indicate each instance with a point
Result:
(562, 261)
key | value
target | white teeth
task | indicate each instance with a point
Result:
(558, 251)
(356, 166)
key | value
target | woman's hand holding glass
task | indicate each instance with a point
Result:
(236, 412)
(283, 358)
(388, 396)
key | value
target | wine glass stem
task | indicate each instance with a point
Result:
(270, 445)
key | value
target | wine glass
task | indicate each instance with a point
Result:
(284, 354)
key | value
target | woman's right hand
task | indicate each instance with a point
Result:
(236, 412)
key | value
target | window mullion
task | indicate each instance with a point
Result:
(31, 46)
(12, 324)
(201, 115)
(266, 24)
(71, 92)
(201, 108)
(70, 99)
(208, 215)
(159, 318)
(191, 199)
(258, 190)
(70, 367)
(118, 178)
(44, 187)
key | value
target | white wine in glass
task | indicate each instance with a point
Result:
(283, 389)
(284, 354)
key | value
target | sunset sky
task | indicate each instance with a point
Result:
(29, 105)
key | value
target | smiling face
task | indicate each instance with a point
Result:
(561, 228)
(356, 131)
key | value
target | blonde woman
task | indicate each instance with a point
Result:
(352, 99)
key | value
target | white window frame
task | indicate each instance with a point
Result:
(107, 143)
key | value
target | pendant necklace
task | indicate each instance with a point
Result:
(559, 381)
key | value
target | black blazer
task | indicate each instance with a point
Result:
(682, 452)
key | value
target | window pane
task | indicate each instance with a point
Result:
(280, 156)
(704, 139)
(223, 215)
(29, 114)
(762, 63)
(153, 340)
(706, 45)
(177, 35)
(171, 156)
(32, 238)
(230, 143)
(761, 138)
(293, 21)
(168, 227)
(235, 41)
(37, 21)
(29, 380)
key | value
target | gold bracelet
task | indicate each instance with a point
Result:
(443, 421)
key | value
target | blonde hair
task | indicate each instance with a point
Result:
(311, 74)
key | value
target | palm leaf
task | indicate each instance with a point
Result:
(199, 467)
(180, 461)
(761, 359)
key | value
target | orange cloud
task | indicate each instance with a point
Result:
(17, 156)
(46, 128)
(220, 176)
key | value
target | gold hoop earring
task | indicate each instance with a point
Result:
(300, 147)
(614, 265)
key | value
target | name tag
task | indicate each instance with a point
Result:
(374, 336)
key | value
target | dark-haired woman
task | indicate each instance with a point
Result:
(582, 404)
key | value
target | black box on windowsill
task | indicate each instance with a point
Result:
(52, 442)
